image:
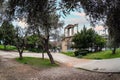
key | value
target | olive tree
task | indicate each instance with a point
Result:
(88, 38)
(20, 40)
(39, 14)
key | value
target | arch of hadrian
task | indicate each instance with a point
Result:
(69, 32)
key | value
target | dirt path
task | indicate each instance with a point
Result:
(12, 70)
(93, 65)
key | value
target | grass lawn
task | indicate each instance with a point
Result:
(97, 55)
(69, 53)
(8, 47)
(36, 62)
(103, 55)
(13, 48)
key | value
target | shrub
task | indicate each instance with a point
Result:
(69, 53)
(81, 52)
(35, 50)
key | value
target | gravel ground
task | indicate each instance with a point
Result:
(12, 70)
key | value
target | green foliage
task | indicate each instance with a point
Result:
(69, 53)
(103, 55)
(37, 50)
(32, 39)
(96, 55)
(34, 44)
(81, 52)
(8, 48)
(88, 38)
(100, 41)
(37, 62)
(83, 39)
(7, 33)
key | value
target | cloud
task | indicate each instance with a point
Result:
(76, 20)
(82, 14)
(99, 28)
(22, 24)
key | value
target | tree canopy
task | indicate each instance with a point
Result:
(7, 33)
(40, 15)
(88, 38)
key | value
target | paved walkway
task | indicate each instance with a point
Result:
(108, 65)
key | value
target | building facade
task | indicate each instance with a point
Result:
(69, 32)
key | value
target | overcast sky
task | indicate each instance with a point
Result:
(77, 18)
(81, 19)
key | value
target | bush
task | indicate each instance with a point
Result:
(8, 48)
(81, 52)
(69, 53)
(35, 50)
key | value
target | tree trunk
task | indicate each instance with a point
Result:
(43, 55)
(48, 52)
(50, 57)
(20, 53)
(100, 48)
(114, 50)
(96, 48)
(20, 56)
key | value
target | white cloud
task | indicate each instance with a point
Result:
(22, 24)
(78, 20)
(99, 28)
(82, 14)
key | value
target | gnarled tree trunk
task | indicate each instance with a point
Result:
(48, 52)
(20, 56)
(20, 53)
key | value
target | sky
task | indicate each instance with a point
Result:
(72, 18)
(76, 18)
(81, 19)
(21, 24)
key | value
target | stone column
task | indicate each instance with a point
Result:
(68, 32)
(72, 31)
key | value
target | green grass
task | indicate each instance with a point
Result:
(103, 55)
(69, 53)
(36, 62)
(97, 55)
(8, 48)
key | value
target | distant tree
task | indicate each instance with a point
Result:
(32, 40)
(35, 44)
(99, 42)
(20, 40)
(81, 40)
(88, 39)
(7, 33)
